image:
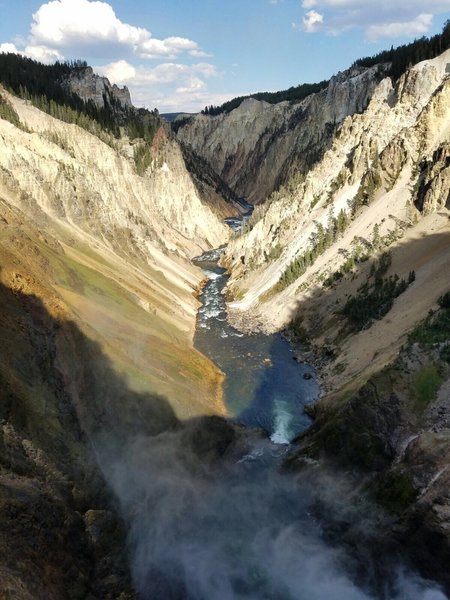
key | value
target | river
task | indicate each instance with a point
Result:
(213, 516)
(252, 532)
(264, 386)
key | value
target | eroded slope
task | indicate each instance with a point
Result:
(382, 187)
(98, 314)
(258, 146)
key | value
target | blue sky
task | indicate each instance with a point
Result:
(183, 55)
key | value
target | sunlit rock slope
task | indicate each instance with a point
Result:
(382, 187)
(98, 313)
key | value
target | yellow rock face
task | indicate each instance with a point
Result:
(109, 250)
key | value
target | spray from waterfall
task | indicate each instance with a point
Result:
(212, 518)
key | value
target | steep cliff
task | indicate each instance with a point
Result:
(353, 258)
(134, 233)
(393, 433)
(89, 86)
(258, 146)
(98, 314)
(382, 186)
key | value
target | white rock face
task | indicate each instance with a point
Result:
(404, 137)
(71, 176)
(85, 192)
(89, 86)
(256, 147)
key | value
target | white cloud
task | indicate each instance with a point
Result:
(72, 24)
(200, 53)
(194, 84)
(186, 101)
(309, 3)
(312, 20)
(8, 48)
(40, 53)
(43, 54)
(168, 48)
(382, 19)
(62, 22)
(168, 86)
(122, 72)
(91, 27)
(416, 27)
(118, 72)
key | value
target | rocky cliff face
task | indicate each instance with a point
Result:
(137, 232)
(98, 312)
(384, 172)
(393, 434)
(312, 255)
(258, 146)
(89, 86)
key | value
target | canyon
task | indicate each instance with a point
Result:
(119, 465)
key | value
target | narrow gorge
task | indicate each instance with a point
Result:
(207, 399)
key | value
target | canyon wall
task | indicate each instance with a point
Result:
(258, 146)
(99, 297)
(99, 304)
(353, 260)
(385, 177)
(89, 86)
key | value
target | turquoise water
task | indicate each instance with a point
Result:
(264, 386)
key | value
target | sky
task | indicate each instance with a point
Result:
(178, 55)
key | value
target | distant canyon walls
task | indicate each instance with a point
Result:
(259, 146)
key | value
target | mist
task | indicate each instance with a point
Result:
(211, 517)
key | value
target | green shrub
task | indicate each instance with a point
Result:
(275, 252)
(445, 353)
(374, 301)
(366, 192)
(142, 157)
(396, 491)
(426, 385)
(322, 239)
(435, 329)
(8, 113)
(299, 330)
(444, 301)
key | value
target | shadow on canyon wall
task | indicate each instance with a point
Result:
(69, 423)
(376, 431)
(208, 514)
(406, 257)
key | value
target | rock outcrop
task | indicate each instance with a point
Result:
(393, 434)
(90, 86)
